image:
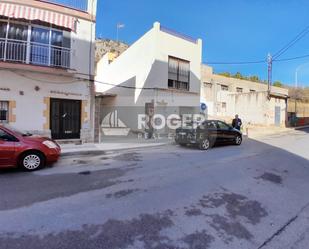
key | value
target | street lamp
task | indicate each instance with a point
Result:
(296, 73)
(119, 26)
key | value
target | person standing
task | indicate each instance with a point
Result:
(237, 123)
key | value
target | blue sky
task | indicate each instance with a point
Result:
(231, 30)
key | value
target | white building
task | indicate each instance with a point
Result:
(160, 71)
(47, 63)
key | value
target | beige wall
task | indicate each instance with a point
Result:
(300, 107)
(253, 107)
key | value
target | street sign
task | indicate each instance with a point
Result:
(203, 106)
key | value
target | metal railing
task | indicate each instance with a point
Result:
(34, 53)
(74, 4)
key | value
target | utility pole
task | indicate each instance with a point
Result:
(270, 69)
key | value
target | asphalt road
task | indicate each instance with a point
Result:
(249, 196)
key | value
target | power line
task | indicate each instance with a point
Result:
(236, 63)
(292, 58)
(258, 62)
(297, 38)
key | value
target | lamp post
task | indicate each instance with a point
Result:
(119, 26)
(296, 73)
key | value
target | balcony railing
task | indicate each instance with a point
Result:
(34, 53)
(74, 4)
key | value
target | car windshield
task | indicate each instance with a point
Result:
(19, 132)
(192, 124)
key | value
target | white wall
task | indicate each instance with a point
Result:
(83, 48)
(30, 106)
(145, 65)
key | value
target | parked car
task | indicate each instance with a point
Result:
(207, 134)
(22, 149)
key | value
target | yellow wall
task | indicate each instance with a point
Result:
(46, 113)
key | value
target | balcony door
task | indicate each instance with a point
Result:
(40, 46)
(65, 118)
(16, 47)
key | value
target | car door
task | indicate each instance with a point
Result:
(7, 149)
(224, 132)
(212, 130)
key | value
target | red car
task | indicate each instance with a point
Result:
(24, 150)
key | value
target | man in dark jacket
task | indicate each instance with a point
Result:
(237, 123)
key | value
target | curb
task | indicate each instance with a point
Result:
(290, 130)
(95, 152)
(301, 127)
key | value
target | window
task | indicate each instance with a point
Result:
(224, 88)
(4, 111)
(207, 85)
(16, 49)
(223, 126)
(239, 89)
(178, 73)
(211, 125)
(223, 105)
(6, 137)
(252, 91)
(46, 46)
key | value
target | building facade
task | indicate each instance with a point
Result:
(225, 97)
(47, 66)
(159, 73)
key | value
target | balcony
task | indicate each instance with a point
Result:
(73, 4)
(34, 53)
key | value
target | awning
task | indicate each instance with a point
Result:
(29, 13)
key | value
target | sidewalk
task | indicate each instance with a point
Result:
(111, 144)
(262, 131)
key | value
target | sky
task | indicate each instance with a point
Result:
(231, 30)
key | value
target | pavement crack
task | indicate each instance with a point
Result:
(279, 231)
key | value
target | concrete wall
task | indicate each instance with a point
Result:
(253, 107)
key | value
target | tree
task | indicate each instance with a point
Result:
(238, 75)
(226, 74)
(254, 78)
(277, 83)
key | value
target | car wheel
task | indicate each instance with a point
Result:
(32, 161)
(204, 144)
(238, 140)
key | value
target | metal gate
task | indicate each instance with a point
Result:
(65, 118)
(277, 115)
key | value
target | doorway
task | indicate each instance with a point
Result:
(277, 115)
(65, 118)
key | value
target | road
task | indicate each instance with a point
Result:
(249, 196)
